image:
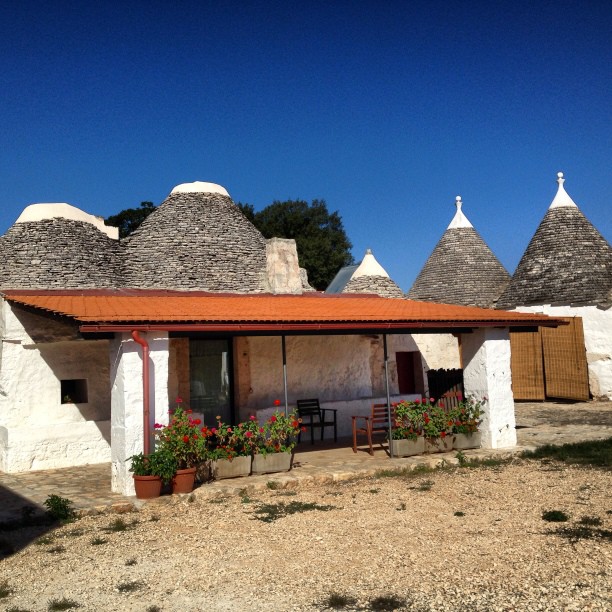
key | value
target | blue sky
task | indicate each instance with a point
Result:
(387, 110)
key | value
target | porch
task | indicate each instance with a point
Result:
(89, 487)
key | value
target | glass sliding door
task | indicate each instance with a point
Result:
(210, 375)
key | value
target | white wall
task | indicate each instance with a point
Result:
(487, 377)
(597, 324)
(38, 431)
(127, 400)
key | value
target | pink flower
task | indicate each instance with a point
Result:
(213, 430)
(431, 400)
(417, 401)
(158, 426)
(179, 400)
(252, 417)
(249, 434)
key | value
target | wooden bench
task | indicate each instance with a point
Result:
(313, 416)
(376, 422)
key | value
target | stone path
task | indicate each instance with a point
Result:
(88, 487)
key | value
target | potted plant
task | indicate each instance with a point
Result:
(466, 420)
(187, 441)
(272, 444)
(437, 427)
(151, 471)
(407, 431)
(229, 450)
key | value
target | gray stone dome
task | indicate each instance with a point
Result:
(196, 240)
(57, 253)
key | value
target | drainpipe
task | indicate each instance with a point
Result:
(145, 391)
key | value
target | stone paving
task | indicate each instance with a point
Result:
(88, 487)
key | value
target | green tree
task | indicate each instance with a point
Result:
(322, 244)
(129, 219)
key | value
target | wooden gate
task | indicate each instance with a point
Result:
(550, 363)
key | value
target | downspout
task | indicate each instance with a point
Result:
(146, 449)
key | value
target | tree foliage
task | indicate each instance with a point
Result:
(129, 219)
(322, 244)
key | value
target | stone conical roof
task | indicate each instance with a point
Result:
(196, 240)
(43, 250)
(371, 277)
(461, 270)
(566, 262)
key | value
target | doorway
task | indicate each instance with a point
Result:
(210, 379)
(409, 372)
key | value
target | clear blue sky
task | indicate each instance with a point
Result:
(387, 110)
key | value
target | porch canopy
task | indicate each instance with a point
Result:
(124, 314)
(121, 310)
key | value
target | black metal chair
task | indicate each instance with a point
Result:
(314, 416)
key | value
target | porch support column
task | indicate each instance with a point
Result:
(284, 349)
(487, 376)
(386, 357)
(127, 400)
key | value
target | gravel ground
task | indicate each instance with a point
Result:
(463, 539)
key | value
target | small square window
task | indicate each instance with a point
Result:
(74, 391)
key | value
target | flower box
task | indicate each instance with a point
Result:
(463, 441)
(407, 448)
(238, 466)
(270, 463)
(439, 445)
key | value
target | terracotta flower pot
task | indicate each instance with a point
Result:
(184, 480)
(147, 487)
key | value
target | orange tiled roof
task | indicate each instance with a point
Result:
(158, 309)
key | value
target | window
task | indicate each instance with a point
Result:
(74, 391)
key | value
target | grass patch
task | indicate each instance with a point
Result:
(62, 604)
(286, 493)
(16, 609)
(273, 485)
(401, 507)
(153, 609)
(387, 602)
(217, 500)
(272, 512)
(555, 516)
(5, 590)
(458, 513)
(131, 562)
(56, 549)
(424, 485)
(59, 508)
(74, 533)
(596, 453)
(129, 587)
(590, 521)
(116, 526)
(337, 601)
(154, 518)
(97, 541)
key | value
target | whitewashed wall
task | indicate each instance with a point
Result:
(597, 324)
(37, 431)
(127, 400)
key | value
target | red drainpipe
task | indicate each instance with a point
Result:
(145, 391)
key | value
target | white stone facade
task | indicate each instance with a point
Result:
(487, 377)
(127, 400)
(597, 325)
(38, 428)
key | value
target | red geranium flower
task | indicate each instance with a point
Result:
(277, 402)
(179, 400)
(185, 438)
(273, 419)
